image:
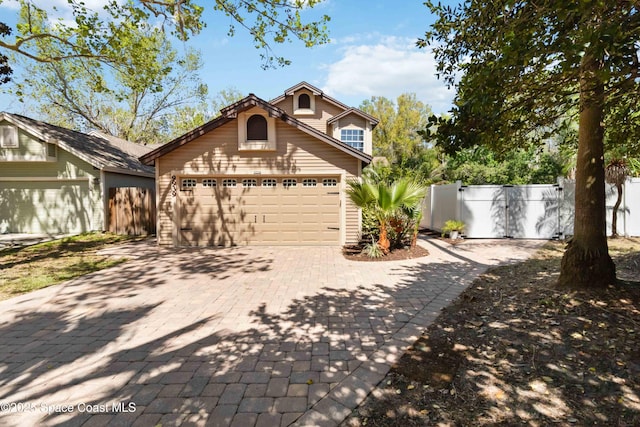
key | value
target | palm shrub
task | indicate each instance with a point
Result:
(616, 173)
(385, 201)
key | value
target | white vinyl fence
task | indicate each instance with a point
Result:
(539, 211)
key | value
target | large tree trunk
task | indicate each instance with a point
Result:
(586, 262)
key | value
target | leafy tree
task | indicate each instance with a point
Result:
(224, 98)
(137, 100)
(189, 117)
(5, 69)
(522, 65)
(480, 165)
(100, 35)
(397, 136)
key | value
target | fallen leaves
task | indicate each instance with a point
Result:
(515, 350)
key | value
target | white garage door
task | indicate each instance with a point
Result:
(226, 211)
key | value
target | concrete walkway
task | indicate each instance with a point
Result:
(259, 336)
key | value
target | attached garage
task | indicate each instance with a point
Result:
(232, 182)
(224, 211)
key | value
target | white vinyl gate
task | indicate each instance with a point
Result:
(519, 211)
(538, 211)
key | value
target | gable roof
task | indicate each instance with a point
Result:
(230, 113)
(357, 112)
(102, 153)
(317, 92)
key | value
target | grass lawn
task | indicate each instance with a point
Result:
(516, 350)
(34, 267)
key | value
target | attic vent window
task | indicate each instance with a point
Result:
(256, 132)
(304, 104)
(257, 128)
(51, 150)
(304, 101)
(8, 136)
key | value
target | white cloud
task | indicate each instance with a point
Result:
(10, 4)
(388, 68)
(60, 11)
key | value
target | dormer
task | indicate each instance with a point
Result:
(313, 107)
(354, 128)
(304, 99)
(310, 105)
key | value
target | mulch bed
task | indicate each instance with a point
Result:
(354, 253)
(516, 350)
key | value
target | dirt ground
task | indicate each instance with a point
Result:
(516, 350)
(354, 253)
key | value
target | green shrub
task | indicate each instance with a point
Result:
(373, 250)
(453, 225)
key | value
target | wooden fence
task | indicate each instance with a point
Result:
(132, 211)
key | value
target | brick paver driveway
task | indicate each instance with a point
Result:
(241, 336)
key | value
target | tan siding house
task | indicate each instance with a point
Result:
(262, 173)
(54, 180)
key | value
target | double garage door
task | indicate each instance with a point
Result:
(227, 211)
(47, 207)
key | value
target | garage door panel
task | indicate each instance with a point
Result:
(259, 215)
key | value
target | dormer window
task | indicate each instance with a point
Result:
(304, 103)
(8, 136)
(257, 128)
(256, 131)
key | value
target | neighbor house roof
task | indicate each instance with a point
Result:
(109, 154)
(231, 112)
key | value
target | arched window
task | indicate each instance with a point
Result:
(304, 101)
(257, 128)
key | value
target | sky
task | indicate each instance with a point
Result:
(372, 53)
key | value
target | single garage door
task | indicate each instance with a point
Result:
(226, 211)
(45, 207)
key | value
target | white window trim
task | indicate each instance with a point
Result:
(304, 111)
(368, 139)
(189, 187)
(352, 143)
(13, 141)
(246, 145)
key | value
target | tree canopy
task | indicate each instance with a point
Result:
(134, 99)
(519, 67)
(397, 136)
(103, 34)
